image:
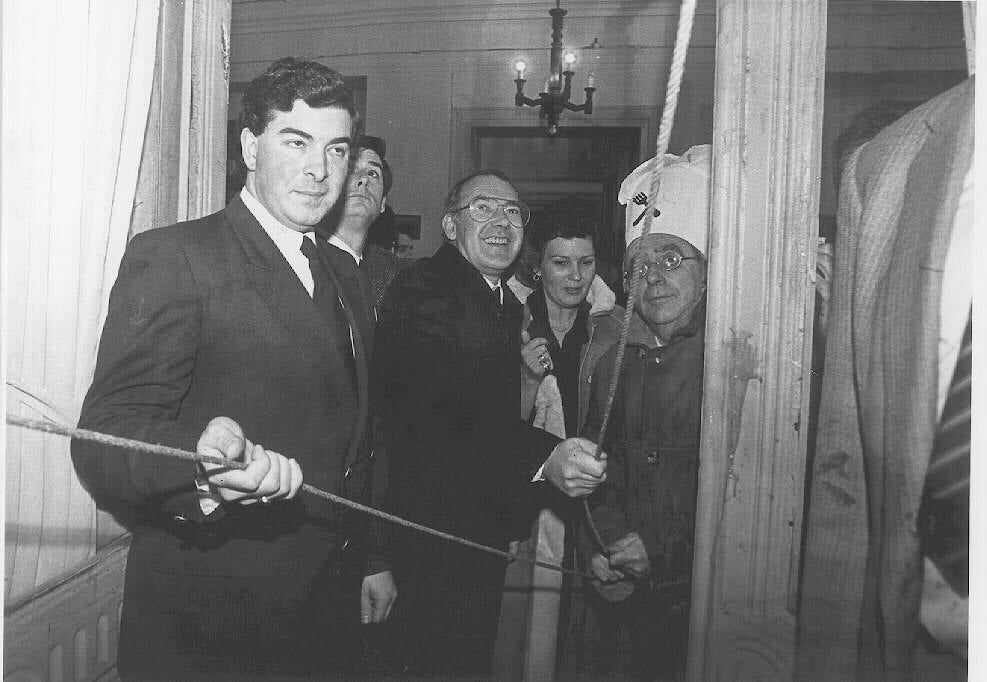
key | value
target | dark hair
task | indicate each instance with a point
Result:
(287, 80)
(452, 199)
(864, 126)
(568, 218)
(378, 145)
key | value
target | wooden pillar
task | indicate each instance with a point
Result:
(766, 164)
(210, 85)
(183, 169)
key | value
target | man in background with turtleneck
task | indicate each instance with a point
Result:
(364, 201)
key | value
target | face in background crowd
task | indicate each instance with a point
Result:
(667, 298)
(298, 164)
(365, 186)
(491, 245)
(567, 269)
(404, 244)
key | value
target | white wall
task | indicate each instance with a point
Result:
(423, 59)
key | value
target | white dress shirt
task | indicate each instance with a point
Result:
(340, 244)
(288, 241)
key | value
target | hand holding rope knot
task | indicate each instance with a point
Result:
(266, 476)
(626, 564)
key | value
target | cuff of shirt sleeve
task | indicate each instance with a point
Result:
(208, 500)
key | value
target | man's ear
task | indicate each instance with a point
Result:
(248, 145)
(449, 227)
(383, 204)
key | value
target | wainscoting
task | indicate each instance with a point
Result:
(70, 632)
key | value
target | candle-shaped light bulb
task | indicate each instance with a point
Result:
(569, 59)
(520, 66)
(591, 80)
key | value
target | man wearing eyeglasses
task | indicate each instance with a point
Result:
(446, 359)
(653, 436)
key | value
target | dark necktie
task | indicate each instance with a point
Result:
(497, 295)
(944, 521)
(327, 301)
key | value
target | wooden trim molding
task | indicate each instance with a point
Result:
(210, 76)
(183, 168)
(267, 17)
(69, 632)
(770, 65)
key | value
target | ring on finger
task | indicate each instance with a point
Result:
(264, 499)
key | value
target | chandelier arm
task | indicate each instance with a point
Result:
(521, 100)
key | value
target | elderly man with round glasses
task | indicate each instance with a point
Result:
(446, 365)
(645, 513)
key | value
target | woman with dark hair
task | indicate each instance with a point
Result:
(570, 317)
(569, 321)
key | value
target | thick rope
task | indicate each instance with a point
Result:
(682, 37)
(152, 449)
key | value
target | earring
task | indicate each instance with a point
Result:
(536, 277)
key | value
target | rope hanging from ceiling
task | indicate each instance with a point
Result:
(687, 13)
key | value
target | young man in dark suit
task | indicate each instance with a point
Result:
(225, 333)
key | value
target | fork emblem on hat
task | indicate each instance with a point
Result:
(641, 199)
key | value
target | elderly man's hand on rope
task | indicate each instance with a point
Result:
(268, 476)
(629, 557)
(628, 563)
(610, 584)
(573, 469)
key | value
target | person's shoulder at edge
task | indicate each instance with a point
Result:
(194, 231)
(414, 287)
(881, 148)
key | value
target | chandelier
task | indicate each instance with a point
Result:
(558, 87)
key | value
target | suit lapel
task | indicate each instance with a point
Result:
(276, 284)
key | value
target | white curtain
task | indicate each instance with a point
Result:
(77, 81)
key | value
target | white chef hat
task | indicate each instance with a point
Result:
(683, 197)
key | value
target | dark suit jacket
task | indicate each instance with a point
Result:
(446, 369)
(862, 565)
(207, 319)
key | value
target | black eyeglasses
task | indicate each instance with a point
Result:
(483, 209)
(668, 261)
